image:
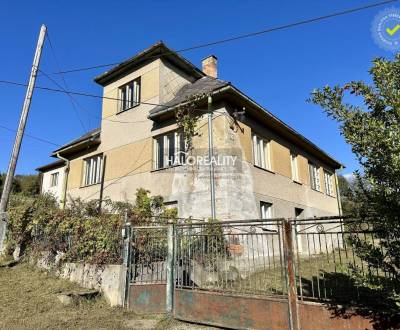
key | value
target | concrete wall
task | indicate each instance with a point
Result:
(56, 191)
(109, 279)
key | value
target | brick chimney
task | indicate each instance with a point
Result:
(209, 66)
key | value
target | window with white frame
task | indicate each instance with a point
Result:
(129, 95)
(314, 177)
(93, 170)
(261, 152)
(328, 183)
(265, 210)
(294, 167)
(54, 179)
(169, 150)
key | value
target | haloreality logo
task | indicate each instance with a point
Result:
(386, 29)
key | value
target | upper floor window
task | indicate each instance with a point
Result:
(169, 150)
(314, 177)
(54, 179)
(261, 152)
(328, 183)
(129, 95)
(294, 167)
(92, 170)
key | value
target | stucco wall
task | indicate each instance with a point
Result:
(56, 191)
(127, 142)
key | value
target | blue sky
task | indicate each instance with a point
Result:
(278, 70)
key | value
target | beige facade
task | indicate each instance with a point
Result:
(127, 145)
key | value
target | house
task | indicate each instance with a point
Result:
(262, 167)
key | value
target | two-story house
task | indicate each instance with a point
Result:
(277, 171)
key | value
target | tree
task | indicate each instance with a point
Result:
(371, 127)
(346, 189)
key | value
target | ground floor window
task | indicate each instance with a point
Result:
(266, 210)
(92, 170)
(54, 179)
(169, 150)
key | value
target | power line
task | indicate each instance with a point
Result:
(74, 93)
(31, 136)
(247, 35)
(97, 117)
(65, 82)
(62, 90)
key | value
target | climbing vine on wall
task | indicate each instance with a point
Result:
(187, 117)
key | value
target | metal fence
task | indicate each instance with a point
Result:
(314, 257)
(148, 255)
(238, 257)
(326, 260)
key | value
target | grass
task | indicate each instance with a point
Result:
(28, 300)
(322, 276)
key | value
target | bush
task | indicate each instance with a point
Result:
(82, 233)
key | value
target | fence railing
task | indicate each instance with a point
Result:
(256, 257)
(239, 257)
(149, 254)
(326, 260)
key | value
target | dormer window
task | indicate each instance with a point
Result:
(129, 95)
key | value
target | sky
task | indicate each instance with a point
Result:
(278, 70)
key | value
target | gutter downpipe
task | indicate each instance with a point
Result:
(64, 192)
(211, 155)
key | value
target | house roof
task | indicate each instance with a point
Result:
(159, 49)
(89, 138)
(225, 90)
(51, 166)
(220, 89)
(203, 85)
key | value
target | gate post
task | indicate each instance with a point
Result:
(170, 267)
(126, 235)
(290, 275)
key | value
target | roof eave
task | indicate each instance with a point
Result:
(156, 51)
(161, 115)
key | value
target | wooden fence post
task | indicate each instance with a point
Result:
(290, 275)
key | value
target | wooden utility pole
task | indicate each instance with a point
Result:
(18, 138)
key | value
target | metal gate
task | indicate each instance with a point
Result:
(247, 274)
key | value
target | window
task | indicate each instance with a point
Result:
(93, 170)
(295, 170)
(328, 183)
(54, 179)
(261, 152)
(265, 210)
(314, 177)
(129, 95)
(169, 150)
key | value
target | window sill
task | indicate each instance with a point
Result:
(89, 185)
(264, 169)
(165, 168)
(122, 111)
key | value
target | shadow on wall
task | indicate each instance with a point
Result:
(345, 299)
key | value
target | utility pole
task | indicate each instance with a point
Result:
(210, 156)
(18, 138)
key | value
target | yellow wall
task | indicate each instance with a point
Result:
(280, 159)
(75, 173)
(129, 159)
